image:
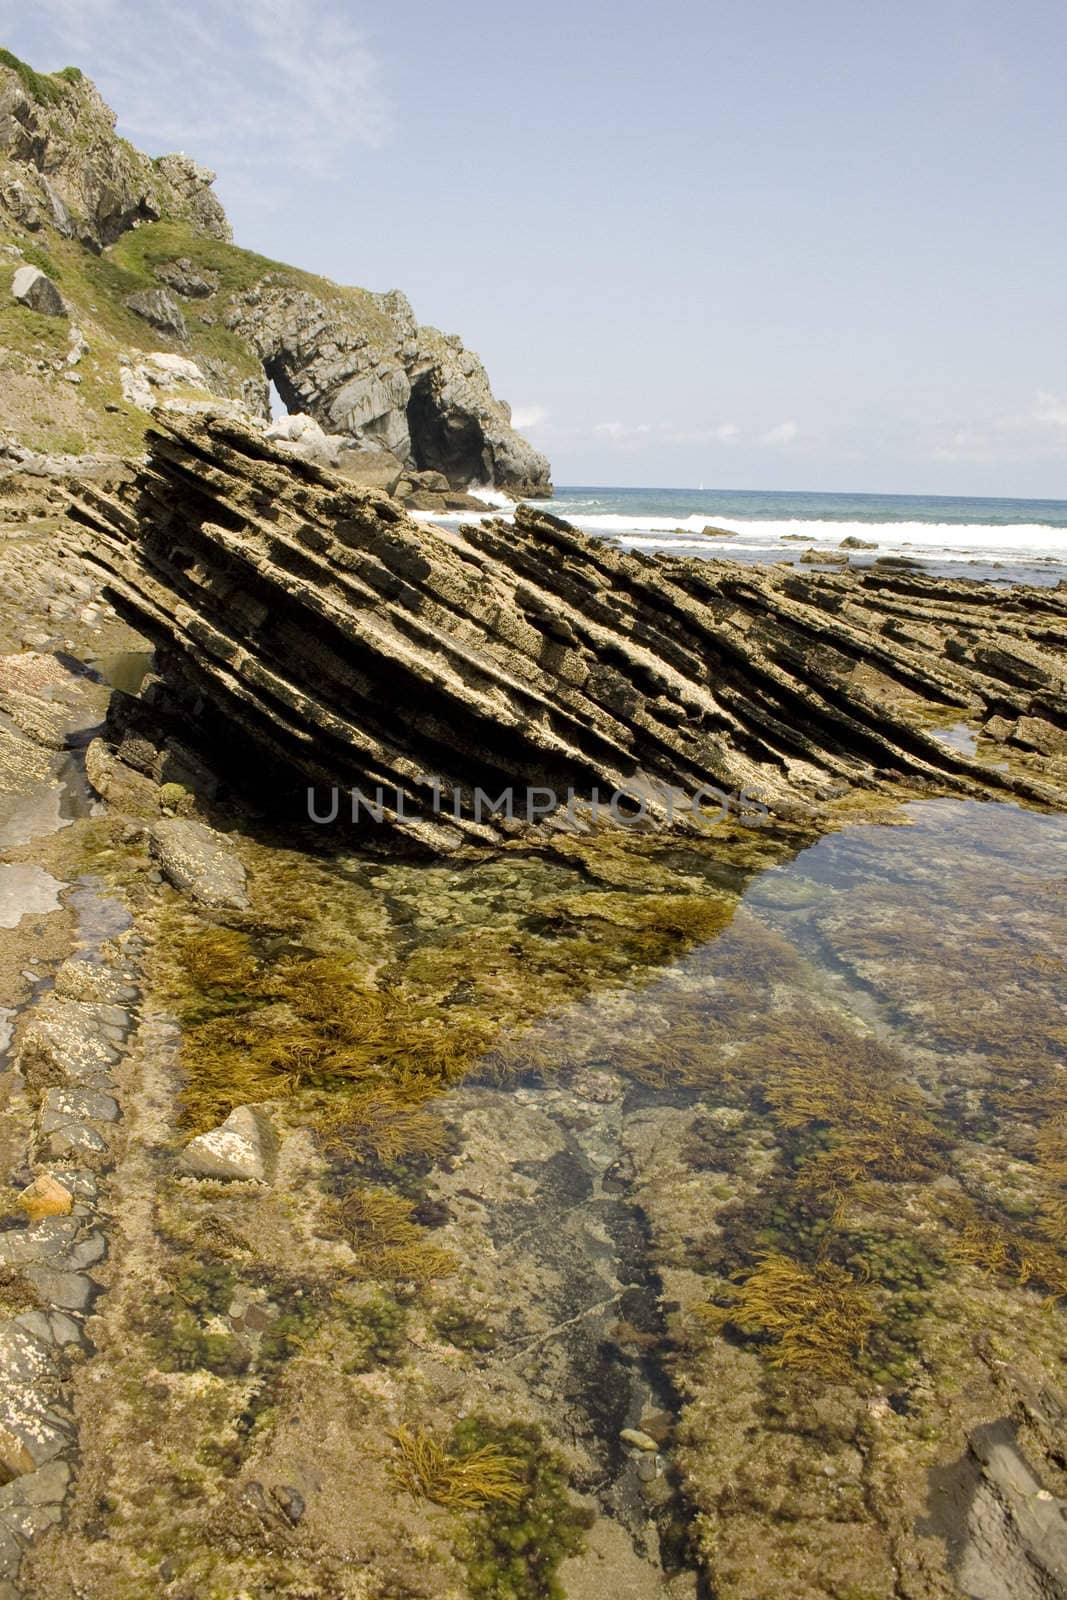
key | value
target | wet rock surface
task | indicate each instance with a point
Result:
(195, 858)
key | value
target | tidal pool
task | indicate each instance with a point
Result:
(667, 1220)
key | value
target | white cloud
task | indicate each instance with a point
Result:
(1051, 409)
(784, 433)
(622, 431)
(727, 432)
(1018, 436)
(283, 84)
(528, 416)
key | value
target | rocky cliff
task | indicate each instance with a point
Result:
(133, 261)
(311, 633)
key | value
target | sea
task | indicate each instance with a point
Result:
(1001, 540)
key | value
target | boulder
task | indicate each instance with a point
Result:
(237, 1150)
(371, 469)
(34, 288)
(197, 860)
(46, 1197)
(187, 279)
(852, 543)
(160, 310)
(1036, 733)
(302, 435)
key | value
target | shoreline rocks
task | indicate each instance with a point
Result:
(315, 636)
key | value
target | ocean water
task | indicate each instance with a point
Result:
(998, 539)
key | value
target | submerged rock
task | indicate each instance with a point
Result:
(196, 859)
(237, 1149)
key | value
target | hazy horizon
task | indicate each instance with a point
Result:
(810, 250)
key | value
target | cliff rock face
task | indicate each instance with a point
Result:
(367, 369)
(170, 282)
(79, 176)
(311, 633)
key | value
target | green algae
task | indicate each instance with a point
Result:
(513, 1551)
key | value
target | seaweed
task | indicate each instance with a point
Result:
(383, 1124)
(979, 1240)
(258, 1030)
(459, 1480)
(816, 1319)
(821, 1075)
(380, 1329)
(513, 1550)
(387, 1244)
(456, 1323)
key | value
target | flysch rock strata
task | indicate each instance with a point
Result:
(312, 634)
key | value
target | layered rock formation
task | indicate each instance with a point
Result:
(311, 633)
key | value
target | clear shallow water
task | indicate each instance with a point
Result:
(1011, 540)
(837, 1069)
(848, 1085)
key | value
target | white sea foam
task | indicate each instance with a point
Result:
(491, 497)
(944, 541)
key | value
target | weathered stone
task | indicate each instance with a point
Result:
(197, 860)
(361, 365)
(98, 186)
(66, 1043)
(342, 645)
(30, 1431)
(160, 309)
(371, 469)
(999, 728)
(76, 1139)
(290, 1500)
(238, 1149)
(46, 1197)
(1035, 733)
(61, 1106)
(68, 1291)
(34, 288)
(188, 279)
(303, 436)
(79, 979)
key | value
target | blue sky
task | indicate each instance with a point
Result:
(758, 245)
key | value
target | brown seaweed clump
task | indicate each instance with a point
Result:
(259, 1030)
(388, 1245)
(980, 1241)
(482, 1477)
(814, 1319)
(819, 1075)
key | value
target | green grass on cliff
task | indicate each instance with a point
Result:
(50, 413)
(47, 88)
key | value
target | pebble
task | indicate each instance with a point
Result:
(639, 1439)
(46, 1197)
(290, 1500)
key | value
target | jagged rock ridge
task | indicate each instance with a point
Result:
(312, 633)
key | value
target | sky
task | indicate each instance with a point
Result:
(746, 243)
